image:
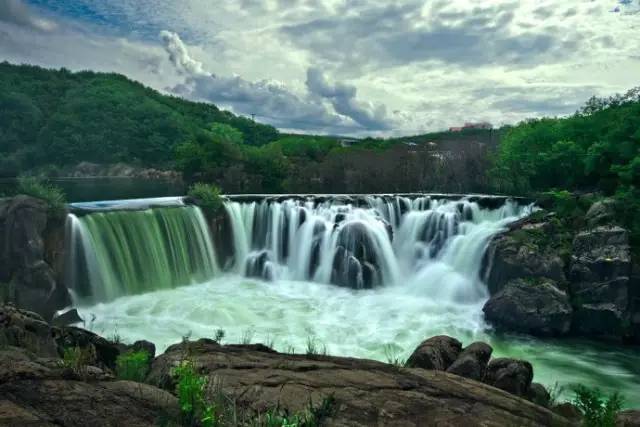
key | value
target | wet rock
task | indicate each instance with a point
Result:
(535, 307)
(600, 280)
(364, 392)
(436, 353)
(472, 362)
(524, 252)
(511, 375)
(258, 265)
(23, 221)
(67, 318)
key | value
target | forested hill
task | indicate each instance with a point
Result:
(59, 117)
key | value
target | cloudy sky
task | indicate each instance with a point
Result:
(351, 67)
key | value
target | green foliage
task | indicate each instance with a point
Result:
(219, 335)
(315, 347)
(76, 360)
(59, 117)
(34, 187)
(596, 148)
(208, 197)
(191, 390)
(598, 410)
(133, 365)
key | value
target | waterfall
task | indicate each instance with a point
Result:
(426, 244)
(115, 253)
(420, 244)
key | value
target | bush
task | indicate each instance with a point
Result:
(133, 365)
(207, 196)
(598, 410)
(191, 387)
(34, 187)
(76, 360)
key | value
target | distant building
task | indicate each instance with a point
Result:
(347, 142)
(469, 125)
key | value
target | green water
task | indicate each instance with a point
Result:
(131, 252)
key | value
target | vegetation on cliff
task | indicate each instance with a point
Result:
(596, 150)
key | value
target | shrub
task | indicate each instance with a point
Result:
(191, 387)
(76, 360)
(133, 365)
(598, 410)
(208, 197)
(34, 187)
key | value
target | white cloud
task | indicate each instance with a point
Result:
(433, 64)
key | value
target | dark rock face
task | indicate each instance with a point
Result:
(600, 280)
(472, 362)
(511, 375)
(539, 395)
(436, 353)
(355, 263)
(67, 318)
(601, 213)
(27, 330)
(535, 307)
(522, 253)
(23, 221)
(366, 393)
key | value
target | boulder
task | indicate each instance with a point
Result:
(630, 418)
(534, 306)
(437, 353)
(23, 221)
(539, 395)
(511, 375)
(28, 330)
(601, 213)
(600, 275)
(363, 392)
(355, 262)
(67, 318)
(472, 362)
(144, 345)
(525, 251)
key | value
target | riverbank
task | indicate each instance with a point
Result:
(58, 374)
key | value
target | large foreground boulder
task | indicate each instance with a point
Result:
(27, 330)
(365, 393)
(436, 353)
(535, 306)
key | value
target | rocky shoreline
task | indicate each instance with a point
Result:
(441, 384)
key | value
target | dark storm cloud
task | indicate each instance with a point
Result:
(18, 13)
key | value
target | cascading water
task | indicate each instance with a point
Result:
(115, 253)
(436, 245)
(420, 256)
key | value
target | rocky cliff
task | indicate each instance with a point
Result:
(547, 278)
(31, 255)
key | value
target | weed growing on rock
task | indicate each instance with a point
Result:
(34, 187)
(219, 335)
(392, 355)
(133, 365)
(598, 410)
(76, 360)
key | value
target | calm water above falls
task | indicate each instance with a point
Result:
(408, 270)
